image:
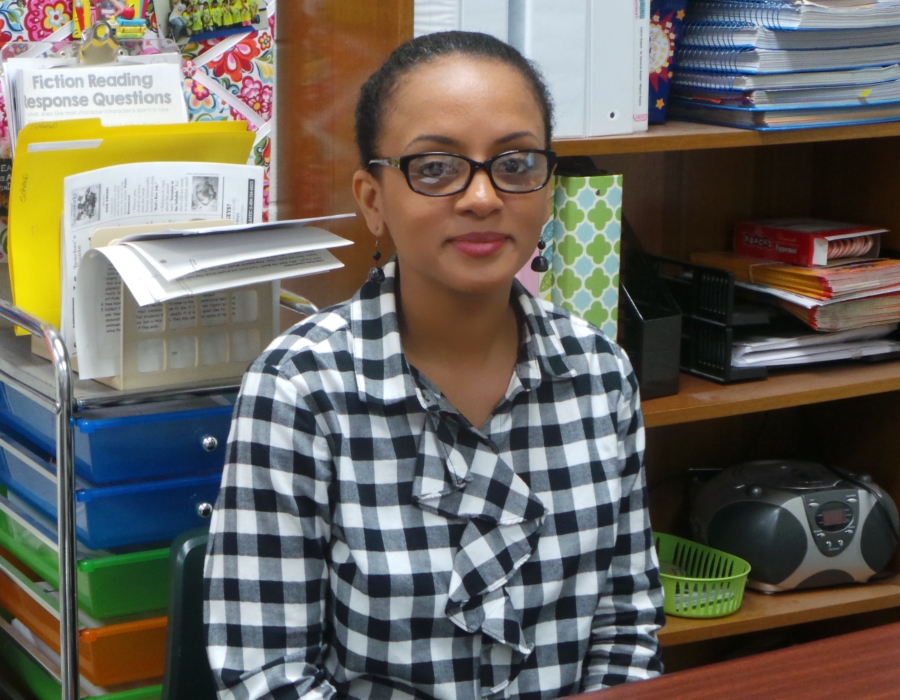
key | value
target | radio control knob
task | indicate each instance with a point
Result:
(755, 491)
(865, 478)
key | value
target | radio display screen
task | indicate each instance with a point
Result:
(834, 516)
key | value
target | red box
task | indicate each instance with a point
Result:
(807, 242)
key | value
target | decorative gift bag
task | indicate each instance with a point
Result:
(584, 232)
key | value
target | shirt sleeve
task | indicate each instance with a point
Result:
(624, 646)
(266, 576)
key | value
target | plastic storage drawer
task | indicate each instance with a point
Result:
(108, 654)
(109, 585)
(109, 516)
(127, 443)
(16, 661)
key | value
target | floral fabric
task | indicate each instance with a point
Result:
(225, 78)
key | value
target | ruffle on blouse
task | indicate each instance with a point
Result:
(459, 476)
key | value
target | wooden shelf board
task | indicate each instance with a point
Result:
(762, 612)
(688, 136)
(701, 400)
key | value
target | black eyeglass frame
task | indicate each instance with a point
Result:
(402, 164)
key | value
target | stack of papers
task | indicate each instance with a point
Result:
(168, 265)
(792, 349)
(150, 193)
(49, 152)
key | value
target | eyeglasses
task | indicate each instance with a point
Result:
(444, 174)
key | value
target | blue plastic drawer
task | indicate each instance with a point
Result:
(108, 516)
(127, 443)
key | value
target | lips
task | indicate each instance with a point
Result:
(479, 244)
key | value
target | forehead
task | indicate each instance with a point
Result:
(461, 96)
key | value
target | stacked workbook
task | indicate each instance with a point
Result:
(787, 64)
(594, 54)
(828, 274)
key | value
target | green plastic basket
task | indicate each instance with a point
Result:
(699, 581)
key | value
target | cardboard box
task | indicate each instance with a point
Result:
(807, 242)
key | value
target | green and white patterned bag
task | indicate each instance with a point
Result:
(583, 237)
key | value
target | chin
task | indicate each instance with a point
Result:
(486, 281)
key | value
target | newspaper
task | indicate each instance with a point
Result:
(148, 193)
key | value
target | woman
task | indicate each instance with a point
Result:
(435, 489)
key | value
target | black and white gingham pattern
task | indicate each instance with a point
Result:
(369, 542)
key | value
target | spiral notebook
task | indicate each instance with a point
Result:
(768, 120)
(780, 61)
(797, 15)
(833, 96)
(746, 35)
(768, 81)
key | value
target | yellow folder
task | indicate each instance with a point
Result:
(48, 152)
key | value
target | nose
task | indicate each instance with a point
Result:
(480, 197)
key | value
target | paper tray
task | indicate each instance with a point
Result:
(108, 655)
(109, 584)
(17, 656)
(127, 443)
(107, 517)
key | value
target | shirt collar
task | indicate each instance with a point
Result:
(382, 372)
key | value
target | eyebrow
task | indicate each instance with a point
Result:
(447, 141)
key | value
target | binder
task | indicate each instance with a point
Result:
(555, 36)
(486, 16)
(641, 65)
(47, 152)
(617, 79)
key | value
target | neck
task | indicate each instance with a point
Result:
(456, 328)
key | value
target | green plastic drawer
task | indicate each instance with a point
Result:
(109, 585)
(18, 664)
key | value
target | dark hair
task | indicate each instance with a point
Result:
(377, 90)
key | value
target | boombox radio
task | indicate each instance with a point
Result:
(798, 524)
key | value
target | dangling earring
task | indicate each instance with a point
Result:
(376, 274)
(540, 264)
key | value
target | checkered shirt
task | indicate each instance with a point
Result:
(369, 542)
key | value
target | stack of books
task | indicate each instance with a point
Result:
(788, 64)
(825, 273)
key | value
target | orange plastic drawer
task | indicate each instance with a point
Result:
(109, 655)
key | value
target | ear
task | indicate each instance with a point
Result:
(367, 190)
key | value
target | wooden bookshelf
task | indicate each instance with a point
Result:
(699, 399)
(689, 136)
(763, 612)
(685, 186)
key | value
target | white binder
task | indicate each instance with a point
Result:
(611, 75)
(641, 65)
(487, 16)
(555, 35)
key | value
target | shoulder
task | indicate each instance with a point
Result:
(587, 349)
(315, 343)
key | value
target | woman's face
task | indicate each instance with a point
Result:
(475, 241)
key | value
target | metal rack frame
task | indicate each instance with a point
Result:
(66, 405)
